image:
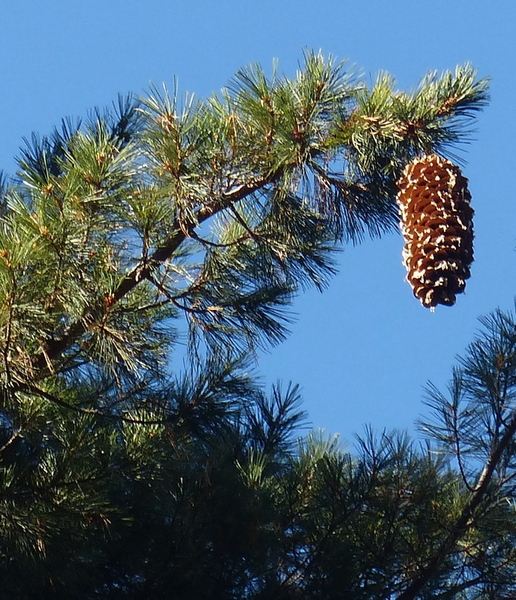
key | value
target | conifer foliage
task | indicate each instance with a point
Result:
(170, 222)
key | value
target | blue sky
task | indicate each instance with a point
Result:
(363, 350)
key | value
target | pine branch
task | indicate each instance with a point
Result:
(467, 518)
(166, 165)
(55, 347)
(121, 417)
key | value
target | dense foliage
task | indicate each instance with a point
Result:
(172, 223)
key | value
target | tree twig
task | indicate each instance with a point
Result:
(55, 346)
(466, 518)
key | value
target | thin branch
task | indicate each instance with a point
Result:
(30, 388)
(458, 452)
(206, 242)
(14, 436)
(466, 517)
(460, 587)
(56, 346)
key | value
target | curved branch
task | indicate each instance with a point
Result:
(55, 346)
(466, 517)
(33, 389)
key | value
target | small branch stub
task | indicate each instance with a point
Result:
(437, 225)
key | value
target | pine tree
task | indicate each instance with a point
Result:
(168, 221)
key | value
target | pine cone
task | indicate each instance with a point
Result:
(437, 224)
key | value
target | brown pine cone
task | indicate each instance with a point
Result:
(437, 224)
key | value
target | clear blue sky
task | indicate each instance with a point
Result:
(363, 350)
